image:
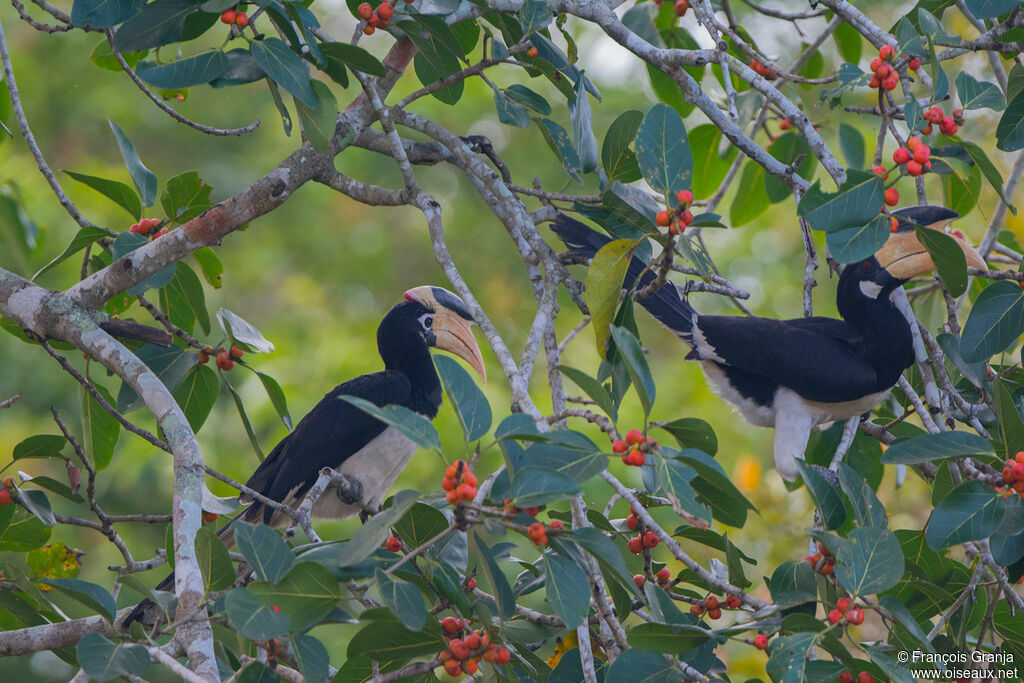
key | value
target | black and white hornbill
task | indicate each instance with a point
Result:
(337, 434)
(795, 374)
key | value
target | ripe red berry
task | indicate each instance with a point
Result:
(241, 19)
(632, 521)
(159, 233)
(881, 170)
(636, 459)
(856, 616)
(1018, 471)
(471, 583)
(634, 437)
(236, 352)
(761, 641)
(892, 196)
(886, 51)
(927, 130)
(875, 82)
(555, 527)
(636, 545)
(5, 497)
(473, 641)
(812, 559)
(650, 539)
(958, 113)
(901, 155)
(466, 491)
(393, 544)
(865, 677)
(843, 604)
(459, 648)
(663, 218)
(224, 361)
(503, 656)
(914, 64)
(385, 11)
(664, 574)
(715, 613)
(785, 124)
(203, 357)
(453, 668)
(619, 446)
(681, 7)
(697, 610)
(827, 568)
(884, 71)
(711, 602)
(365, 10)
(227, 16)
(210, 516)
(531, 53)
(369, 30)
(684, 197)
(893, 225)
(914, 168)
(450, 625)
(639, 580)
(845, 677)
(875, 64)
(535, 530)
(890, 82)
(913, 142)
(453, 497)
(732, 602)
(1019, 457)
(686, 218)
(946, 122)
(835, 616)
(9, 482)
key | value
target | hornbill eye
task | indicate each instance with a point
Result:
(427, 320)
(865, 264)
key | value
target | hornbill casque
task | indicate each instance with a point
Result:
(795, 374)
(339, 435)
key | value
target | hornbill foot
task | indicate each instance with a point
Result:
(365, 514)
(349, 491)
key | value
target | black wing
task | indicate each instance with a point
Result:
(332, 431)
(818, 358)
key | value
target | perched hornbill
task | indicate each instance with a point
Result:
(337, 434)
(795, 374)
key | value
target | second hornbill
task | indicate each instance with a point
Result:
(795, 374)
(339, 435)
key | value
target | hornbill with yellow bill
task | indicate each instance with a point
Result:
(339, 435)
(795, 374)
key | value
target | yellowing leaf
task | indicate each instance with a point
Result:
(604, 282)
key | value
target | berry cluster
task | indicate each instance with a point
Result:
(145, 227)
(885, 75)
(633, 443)
(1013, 473)
(842, 611)
(225, 358)
(393, 544)
(947, 124)
(677, 219)
(376, 18)
(463, 655)
(822, 561)
(916, 156)
(5, 492)
(762, 70)
(511, 509)
(459, 482)
(713, 606)
(862, 677)
(648, 540)
(538, 533)
(232, 16)
(661, 577)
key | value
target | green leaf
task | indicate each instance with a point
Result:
(184, 73)
(354, 57)
(509, 111)
(868, 510)
(853, 244)
(185, 196)
(1010, 131)
(932, 447)
(285, 68)
(604, 550)
(103, 13)
(558, 140)
(594, 389)
(898, 611)
(533, 486)
(103, 660)
(409, 423)
(826, 498)
(253, 618)
(975, 94)
(617, 159)
(786, 148)
(82, 239)
(171, 364)
(264, 549)
(58, 487)
(214, 561)
(636, 365)
(371, 535)
(420, 524)
(850, 43)
(950, 262)
(534, 16)
(240, 330)
(962, 187)
(662, 151)
(851, 142)
(528, 98)
(567, 589)
(277, 398)
(995, 321)
(788, 659)
(312, 658)
(675, 482)
(470, 404)
(404, 599)
(582, 128)
(665, 638)
(990, 9)
(319, 122)
(244, 417)
(307, 594)
(499, 584)
(893, 671)
(115, 191)
(709, 165)
(1007, 542)
(209, 263)
(988, 169)
(603, 286)
(144, 179)
(21, 531)
(38, 504)
(636, 665)
(969, 512)
(871, 562)
(197, 394)
(158, 23)
(439, 55)
(100, 429)
(750, 200)
(103, 57)
(388, 641)
(39, 446)
(184, 300)
(91, 595)
(856, 202)
(714, 487)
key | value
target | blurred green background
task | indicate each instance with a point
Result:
(316, 276)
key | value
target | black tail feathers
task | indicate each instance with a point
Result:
(666, 305)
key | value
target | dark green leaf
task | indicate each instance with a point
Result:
(240, 330)
(851, 142)
(470, 404)
(662, 151)
(388, 641)
(871, 562)
(559, 142)
(975, 94)
(244, 417)
(144, 179)
(499, 584)
(950, 262)
(990, 9)
(265, 550)
(528, 98)
(714, 487)
(1010, 131)
(171, 364)
(307, 594)
(868, 510)
(636, 665)
(988, 169)
(100, 429)
(826, 498)
(675, 482)
(54, 486)
(318, 123)
(849, 41)
(604, 551)
(371, 535)
(788, 659)
(786, 148)
(82, 238)
(185, 196)
(210, 264)
(855, 203)
(666, 639)
(21, 531)
(253, 618)
(617, 158)
(39, 446)
(582, 128)
(285, 67)
(593, 388)
(197, 394)
(103, 13)
(532, 486)
(420, 524)
(312, 658)
(853, 244)
(214, 561)
(793, 583)
(158, 23)
(103, 660)
(103, 57)
(1007, 542)
(404, 599)
(534, 16)
(969, 512)
(277, 398)
(242, 69)
(709, 165)
(636, 364)
(91, 595)
(510, 112)
(408, 422)
(995, 321)
(115, 191)
(932, 447)
(38, 504)
(184, 73)
(751, 199)
(567, 589)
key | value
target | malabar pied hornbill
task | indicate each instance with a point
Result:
(339, 435)
(795, 374)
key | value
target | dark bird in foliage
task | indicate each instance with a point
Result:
(795, 374)
(339, 435)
